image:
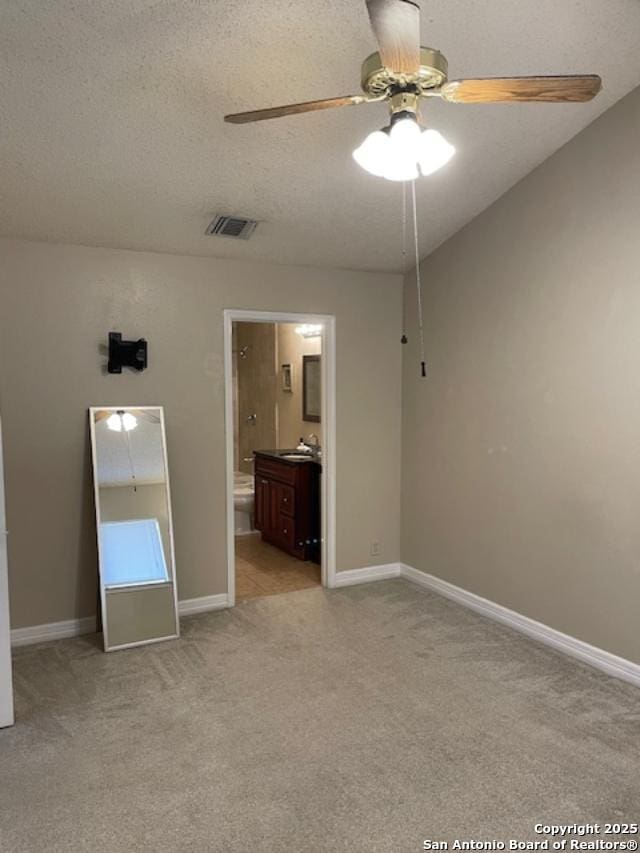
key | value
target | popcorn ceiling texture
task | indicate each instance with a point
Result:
(112, 130)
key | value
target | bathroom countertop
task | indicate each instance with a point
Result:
(277, 454)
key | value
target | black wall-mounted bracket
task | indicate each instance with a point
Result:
(126, 353)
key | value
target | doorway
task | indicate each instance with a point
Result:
(280, 451)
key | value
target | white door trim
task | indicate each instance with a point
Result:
(6, 680)
(328, 373)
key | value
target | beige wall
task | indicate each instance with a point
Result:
(521, 451)
(291, 348)
(57, 304)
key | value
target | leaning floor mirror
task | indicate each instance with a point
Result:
(135, 533)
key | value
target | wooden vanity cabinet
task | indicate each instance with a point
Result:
(287, 504)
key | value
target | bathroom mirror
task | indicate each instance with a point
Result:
(311, 384)
(135, 532)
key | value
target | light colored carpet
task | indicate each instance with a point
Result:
(362, 719)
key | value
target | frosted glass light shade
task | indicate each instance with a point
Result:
(373, 154)
(401, 170)
(434, 152)
(405, 139)
(396, 154)
(125, 421)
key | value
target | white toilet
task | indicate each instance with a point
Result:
(243, 503)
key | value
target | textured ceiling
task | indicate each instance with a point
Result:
(111, 128)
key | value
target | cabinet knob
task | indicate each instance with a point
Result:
(264, 482)
(285, 530)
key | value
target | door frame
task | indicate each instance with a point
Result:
(328, 409)
(6, 680)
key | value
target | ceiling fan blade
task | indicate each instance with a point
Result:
(396, 26)
(566, 89)
(294, 109)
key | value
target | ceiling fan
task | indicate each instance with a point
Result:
(402, 73)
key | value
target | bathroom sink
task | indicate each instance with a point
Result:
(298, 456)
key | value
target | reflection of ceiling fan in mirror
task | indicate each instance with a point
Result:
(130, 445)
(125, 419)
(403, 73)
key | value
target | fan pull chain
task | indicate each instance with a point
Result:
(127, 441)
(423, 364)
(403, 339)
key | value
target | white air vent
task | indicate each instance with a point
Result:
(231, 226)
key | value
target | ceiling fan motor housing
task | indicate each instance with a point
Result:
(378, 80)
(402, 104)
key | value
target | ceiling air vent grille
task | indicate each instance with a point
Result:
(231, 226)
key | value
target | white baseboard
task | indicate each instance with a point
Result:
(87, 625)
(191, 606)
(52, 631)
(598, 658)
(367, 574)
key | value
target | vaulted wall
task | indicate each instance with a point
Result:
(521, 451)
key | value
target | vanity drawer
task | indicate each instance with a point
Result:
(286, 499)
(275, 470)
(286, 532)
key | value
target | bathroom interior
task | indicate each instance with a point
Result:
(277, 457)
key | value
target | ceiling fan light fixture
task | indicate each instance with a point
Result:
(405, 138)
(373, 154)
(395, 152)
(391, 153)
(120, 421)
(401, 169)
(434, 152)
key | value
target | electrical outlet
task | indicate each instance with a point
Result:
(375, 549)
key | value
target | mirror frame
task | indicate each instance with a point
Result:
(306, 360)
(96, 493)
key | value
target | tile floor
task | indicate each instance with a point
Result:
(262, 569)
